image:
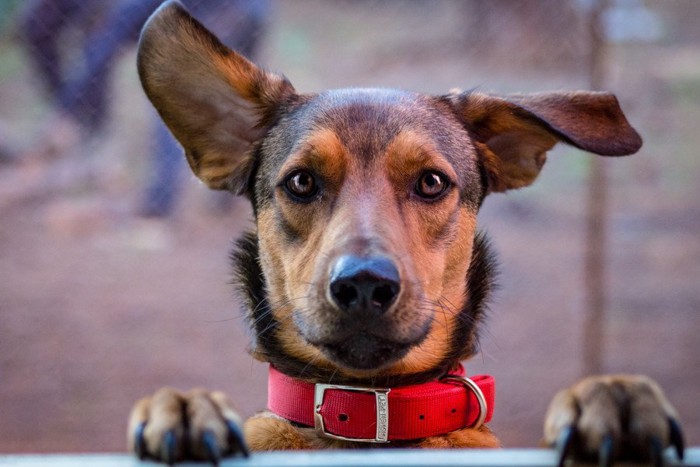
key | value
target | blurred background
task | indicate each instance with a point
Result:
(114, 270)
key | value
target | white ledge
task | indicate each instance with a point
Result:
(330, 458)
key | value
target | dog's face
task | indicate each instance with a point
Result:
(365, 200)
(365, 230)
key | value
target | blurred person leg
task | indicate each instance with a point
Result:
(81, 95)
(42, 27)
(85, 96)
(41, 24)
(167, 167)
(8, 151)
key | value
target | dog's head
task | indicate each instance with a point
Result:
(365, 260)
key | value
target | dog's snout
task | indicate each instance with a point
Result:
(368, 284)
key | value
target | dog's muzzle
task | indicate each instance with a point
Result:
(364, 321)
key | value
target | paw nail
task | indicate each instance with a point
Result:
(677, 437)
(211, 446)
(656, 449)
(235, 438)
(565, 443)
(167, 450)
(605, 454)
(140, 441)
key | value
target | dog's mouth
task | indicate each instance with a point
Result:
(361, 347)
(365, 352)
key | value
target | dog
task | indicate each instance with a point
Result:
(365, 278)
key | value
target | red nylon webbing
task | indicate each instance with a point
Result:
(416, 411)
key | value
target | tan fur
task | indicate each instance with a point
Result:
(594, 404)
(268, 432)
(465, 438)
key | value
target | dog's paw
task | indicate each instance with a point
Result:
(172, 426)
(613, 418)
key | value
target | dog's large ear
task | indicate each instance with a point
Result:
(514, 133)
(214, 101)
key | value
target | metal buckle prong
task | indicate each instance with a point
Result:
(382, 403)
(469, 384)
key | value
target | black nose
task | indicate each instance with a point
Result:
(368, 284)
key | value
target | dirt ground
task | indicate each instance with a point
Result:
(99, 307)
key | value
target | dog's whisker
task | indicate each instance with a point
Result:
(308, 365)
(444, 314)
(335, 372)
(264, 302)
(273, 306)
(269, 327)
(444, 299)
(223, 320)
(261, 317)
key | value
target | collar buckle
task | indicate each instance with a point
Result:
(471, 385)
(382, 404)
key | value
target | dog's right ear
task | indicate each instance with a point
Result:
(214, 101)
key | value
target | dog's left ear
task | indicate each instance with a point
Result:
(514, 133)
(215, 101)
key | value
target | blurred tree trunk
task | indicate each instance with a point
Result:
(596, 219)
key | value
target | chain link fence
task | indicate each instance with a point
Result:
(114, 259)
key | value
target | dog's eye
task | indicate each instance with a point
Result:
(430, 185)
(301, 184)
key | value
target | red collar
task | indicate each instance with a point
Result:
(382, 415)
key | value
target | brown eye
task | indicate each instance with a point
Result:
(301, 184)
(430, 185)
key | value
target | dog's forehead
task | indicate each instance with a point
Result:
(374, 102)
(376, 97)
(366, 122)
(365, 116)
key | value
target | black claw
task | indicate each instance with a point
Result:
(168, 448)
(140, 441)
(606, 451)
(211, 446)
(236, 439)
(656, 450)
(564, 443)
(677, 437)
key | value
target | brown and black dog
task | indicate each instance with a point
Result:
(365, 267)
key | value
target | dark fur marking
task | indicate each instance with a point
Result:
(484, 178)
(481, 282)
(291, 235)
(250, 282)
